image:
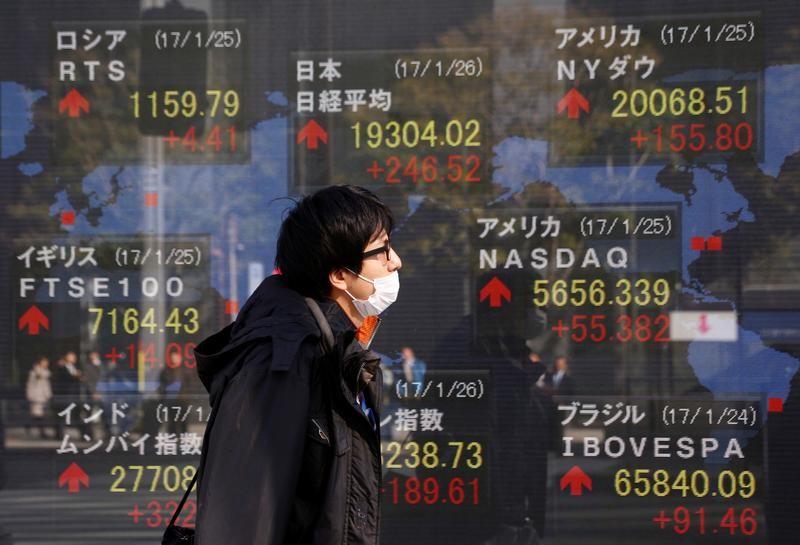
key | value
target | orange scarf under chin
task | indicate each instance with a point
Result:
(366, 332)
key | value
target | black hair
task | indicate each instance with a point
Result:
(328, 230)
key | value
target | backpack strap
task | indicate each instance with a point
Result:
(324, 327)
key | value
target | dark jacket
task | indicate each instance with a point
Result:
(290, 458)
(66, 386)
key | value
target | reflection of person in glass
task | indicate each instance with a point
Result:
(520, 411)
(39, 392)
(559, 381)
(534, 367)
(294, 454)
(91, 376)
(66, 383)
(413, 367)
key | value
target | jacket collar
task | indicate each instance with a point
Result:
(336, 316)
(340, 323)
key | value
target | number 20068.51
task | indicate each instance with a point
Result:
(679, 102)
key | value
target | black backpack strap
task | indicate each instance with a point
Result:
(324, 326)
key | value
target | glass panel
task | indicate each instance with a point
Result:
(597, 335)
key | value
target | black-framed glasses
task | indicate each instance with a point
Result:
(386, 249)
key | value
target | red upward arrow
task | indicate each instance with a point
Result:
(311, 133)
(33, 319)
(495, 290)
(573, 102)
(73, 476)
(575, 478)
(74, 102)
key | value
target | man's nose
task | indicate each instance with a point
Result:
(394, 262)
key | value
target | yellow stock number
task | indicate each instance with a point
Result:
(411, 134)
(169, 478)
(187, 104)
(579, 292)
(676, 102)
(413, 455)
(134, 320)
(699, 484)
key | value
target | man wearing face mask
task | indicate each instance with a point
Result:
(293, 455)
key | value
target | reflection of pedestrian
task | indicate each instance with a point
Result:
(92, 372)
(534, 367)
(66, 381)
(114, 387)
(535, 440)
(39, 392)
(519, 470)
(90, 377)
(413, 368)
(559, 381)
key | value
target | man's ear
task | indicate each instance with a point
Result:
(338, 278)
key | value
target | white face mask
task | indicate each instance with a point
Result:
(386, 290)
